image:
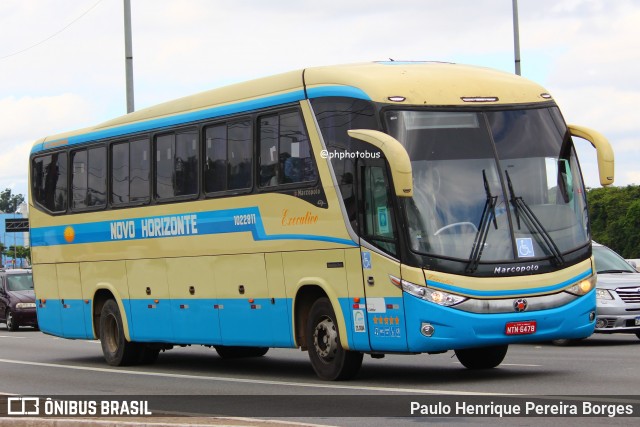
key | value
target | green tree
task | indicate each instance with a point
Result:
(10, 202)
(615, 218)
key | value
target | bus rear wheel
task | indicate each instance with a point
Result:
(116, 349)
(236, 352)
(329, 360)
(483, 357)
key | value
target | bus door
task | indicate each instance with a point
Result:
(377, 226)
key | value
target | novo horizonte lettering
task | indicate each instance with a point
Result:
(178, 225)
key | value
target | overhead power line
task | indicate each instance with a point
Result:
(52, 35)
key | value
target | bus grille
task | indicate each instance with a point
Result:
(629, 295)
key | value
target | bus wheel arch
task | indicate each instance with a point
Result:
(305, 297)
(99, 299)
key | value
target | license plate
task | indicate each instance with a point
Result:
(521, 328)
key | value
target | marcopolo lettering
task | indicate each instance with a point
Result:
(518, 269)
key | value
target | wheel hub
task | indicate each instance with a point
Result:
(325, 339)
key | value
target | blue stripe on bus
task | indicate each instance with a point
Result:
(186, 224)
(208, 113)
(510, 292)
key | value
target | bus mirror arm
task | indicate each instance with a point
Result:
(396, 156)
(603, 150)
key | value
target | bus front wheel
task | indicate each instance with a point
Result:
(482, 358)
(116, 349)
(329, 360)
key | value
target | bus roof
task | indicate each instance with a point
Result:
(403, 83)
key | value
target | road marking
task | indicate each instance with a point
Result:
(10, 336)
(358, 388)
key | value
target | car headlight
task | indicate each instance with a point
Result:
(432, 295)
(583, 287)
(603, 294)
(22, 305)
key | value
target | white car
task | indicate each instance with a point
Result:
(617, 293)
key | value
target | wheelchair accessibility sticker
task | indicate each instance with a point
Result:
(366, 260)
(525, 247)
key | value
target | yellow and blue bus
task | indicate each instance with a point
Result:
(388, 207)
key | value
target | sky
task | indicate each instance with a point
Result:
(62, 64)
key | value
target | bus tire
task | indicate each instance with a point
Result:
(328, 358)
(116, 349)
(483, 357)
(236, 352)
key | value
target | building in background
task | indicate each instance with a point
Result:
(11, 239)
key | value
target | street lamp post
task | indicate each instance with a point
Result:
(128, 54)
(516, 36)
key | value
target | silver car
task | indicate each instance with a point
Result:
(617, 293)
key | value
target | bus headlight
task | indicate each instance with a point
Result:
(432, 295)
(583, 287)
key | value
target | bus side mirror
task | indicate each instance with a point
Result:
(603, 150)
(396, 155)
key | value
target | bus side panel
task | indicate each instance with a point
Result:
(48, 306)
(385, 307)
(193, 300)
(244, 310)
(282, 331)
(73, 306)
(110, 275)
(354, 306)
(150, 302)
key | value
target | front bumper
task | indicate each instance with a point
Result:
(617, 317)
(455, 329)
(25, 317)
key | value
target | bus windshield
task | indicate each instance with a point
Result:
(492, 186)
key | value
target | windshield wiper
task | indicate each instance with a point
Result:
(541, 234)
(488, 214)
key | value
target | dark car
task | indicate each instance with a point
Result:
(17, 299)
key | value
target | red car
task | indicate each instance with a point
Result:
(17, 299)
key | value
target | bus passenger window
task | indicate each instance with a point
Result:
(186, 167)
(269, 151)
(215, 172)
(50, 181)
(139, 170)
(239, 158)
(229, 154)
(120, 173)
(285, 152)
(176, 165)
(89, 179)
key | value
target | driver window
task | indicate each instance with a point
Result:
(379, 218)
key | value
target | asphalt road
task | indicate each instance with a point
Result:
(605, 366)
